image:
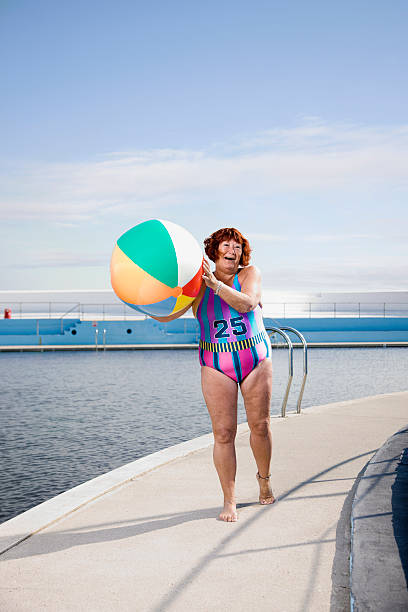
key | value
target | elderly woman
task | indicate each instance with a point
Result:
(234, 350)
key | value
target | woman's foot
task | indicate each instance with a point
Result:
(229, 512)
(265, 492)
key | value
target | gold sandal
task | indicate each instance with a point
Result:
(262, 500)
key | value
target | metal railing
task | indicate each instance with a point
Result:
(78, 305)
(61, 310)
(282, 332)
(280, 310)
(297, 333)
(335, 309)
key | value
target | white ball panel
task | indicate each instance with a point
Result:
(188, 252)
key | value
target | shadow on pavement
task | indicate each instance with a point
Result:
(399, 503)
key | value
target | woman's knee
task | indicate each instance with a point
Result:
(225, 435)
(260, 428)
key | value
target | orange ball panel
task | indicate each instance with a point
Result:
(135, 286)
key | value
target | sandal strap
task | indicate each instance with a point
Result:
(263, 477)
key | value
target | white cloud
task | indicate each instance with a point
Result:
(268, 237)
(360, 273)
(52, 258)
(315, 158)
(327, 237)
(340, 237)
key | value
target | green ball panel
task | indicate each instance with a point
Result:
(149, 246)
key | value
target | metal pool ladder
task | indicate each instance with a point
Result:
(282, 331)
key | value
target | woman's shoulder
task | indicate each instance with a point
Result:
(249, 271)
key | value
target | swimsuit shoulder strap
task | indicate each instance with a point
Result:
(236, 284)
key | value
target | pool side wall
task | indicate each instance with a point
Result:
(74, 332)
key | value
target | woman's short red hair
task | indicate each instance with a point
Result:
(212, 243)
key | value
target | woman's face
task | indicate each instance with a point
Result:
(229, 253)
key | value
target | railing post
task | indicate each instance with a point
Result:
(284, 310)
(290, 355)
(359, 313)
(384, 310)
(334, 310)
(310, 310)
(302, 338)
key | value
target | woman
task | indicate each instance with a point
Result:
(234, 350)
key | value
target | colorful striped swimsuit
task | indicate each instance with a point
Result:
(231, 342)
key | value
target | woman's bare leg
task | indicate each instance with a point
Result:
(220, 394)
(256, 390)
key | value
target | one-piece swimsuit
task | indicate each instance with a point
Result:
(231, 342)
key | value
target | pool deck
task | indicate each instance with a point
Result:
(146, 537)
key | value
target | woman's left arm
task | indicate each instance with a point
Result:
(245, 300)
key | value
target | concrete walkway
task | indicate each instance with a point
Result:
(154, 543)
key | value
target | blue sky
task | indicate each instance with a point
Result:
(287, 120)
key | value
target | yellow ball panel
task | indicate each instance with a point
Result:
(182, 302)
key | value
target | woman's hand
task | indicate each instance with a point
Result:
(208, 276)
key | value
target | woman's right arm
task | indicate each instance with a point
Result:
(171, 317)
(193, 305)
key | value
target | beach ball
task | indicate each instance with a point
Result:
(156, 268)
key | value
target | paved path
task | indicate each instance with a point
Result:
(154, 543)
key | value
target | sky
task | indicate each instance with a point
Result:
(287, 120)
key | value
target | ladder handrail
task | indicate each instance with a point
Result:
(77, 305)
(290, 364)
(305, 371)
